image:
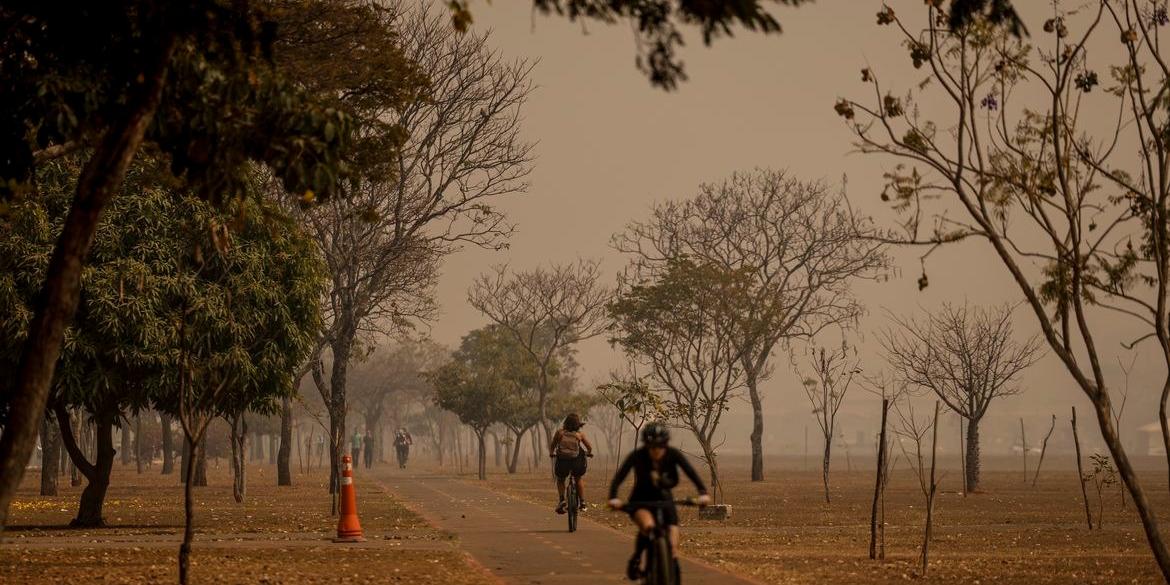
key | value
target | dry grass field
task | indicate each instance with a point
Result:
(782, 531)
(275, 536)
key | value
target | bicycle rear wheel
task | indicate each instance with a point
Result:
(571, 500)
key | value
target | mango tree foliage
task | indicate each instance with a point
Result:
(191, 78)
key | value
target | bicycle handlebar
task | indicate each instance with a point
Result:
(661, 504)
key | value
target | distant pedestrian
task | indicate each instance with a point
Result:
(368, 448)
(402, 443)
(355, 446)
(320, 450)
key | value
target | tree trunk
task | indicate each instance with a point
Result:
(184, 470)
(168, 445)
(482, 457)
(825, 464)
(199, 479)
(757, 437)
(962, 457)
(138, 444)
(57, 301)
(515, 451)
(341, 348)
(50, 456)
(1164, 420)
(283, 472)
(93, 497)
(878, 483)
(713, 469)
(930, 494)
(239, 434)
(125, 440)
(188, 510)
(1125, 469)
(273, 446)
(972, 479)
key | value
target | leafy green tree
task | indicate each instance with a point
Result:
(521, 413)
(192, 79)
(242, 311)
(682, 324)
(1074, 208)
(110, 349)
(475, 387)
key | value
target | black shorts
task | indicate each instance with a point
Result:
(577, 467)
(669, 512)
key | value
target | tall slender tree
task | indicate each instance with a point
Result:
(1010, 157)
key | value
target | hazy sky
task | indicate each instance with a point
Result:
(609, 145)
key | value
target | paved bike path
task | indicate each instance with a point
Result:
(522, 543)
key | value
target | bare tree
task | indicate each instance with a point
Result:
(547, 310)
(802, 244)
(967, 357)
(912, 429)
(832, 375)
(681, 325)
(1075, 210)
(432, 163)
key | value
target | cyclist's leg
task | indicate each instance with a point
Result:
(561, 471)
(580, 468)
(644, 520)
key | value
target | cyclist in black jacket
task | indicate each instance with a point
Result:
(655, 466)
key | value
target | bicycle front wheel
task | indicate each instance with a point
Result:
(660, 569)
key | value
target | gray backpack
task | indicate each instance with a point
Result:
(569, 447)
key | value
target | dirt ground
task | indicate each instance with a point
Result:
(782, 531)
(278, 535)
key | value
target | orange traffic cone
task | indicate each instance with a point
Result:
(348, 528)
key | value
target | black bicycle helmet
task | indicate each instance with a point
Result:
(655, 433)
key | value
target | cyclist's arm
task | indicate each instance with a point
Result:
(552, 446)
(585, 441)
(620, 476)
(690, 471)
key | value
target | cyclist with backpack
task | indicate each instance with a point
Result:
(655, 466)
(570, 448)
